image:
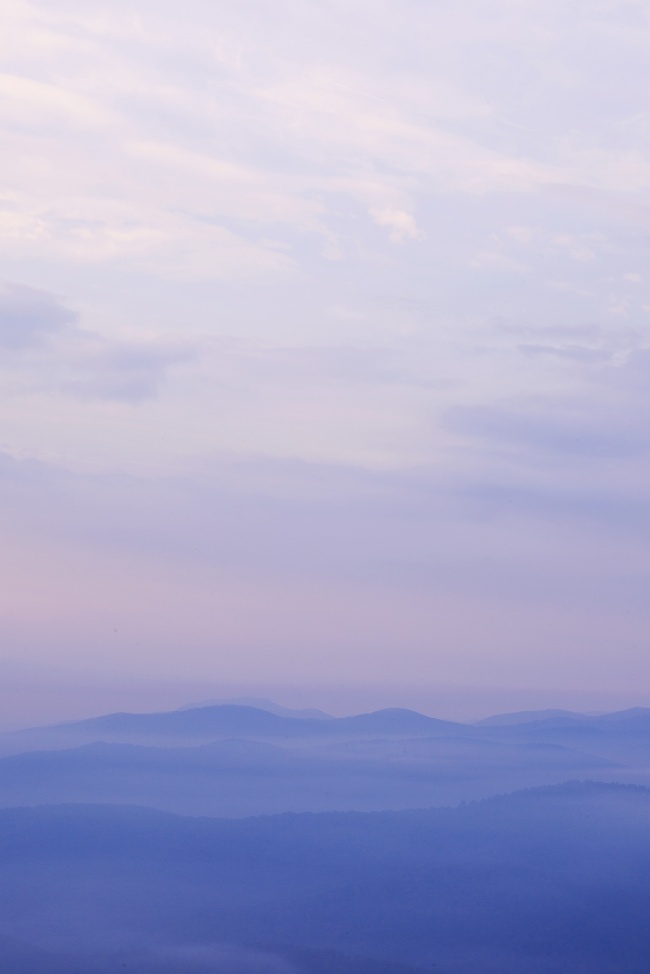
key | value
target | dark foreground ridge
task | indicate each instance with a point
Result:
(545, 881)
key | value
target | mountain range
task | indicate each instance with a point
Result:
(546, 880)
(238, 760)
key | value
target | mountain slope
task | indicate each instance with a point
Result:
(239, 778)
(205, 724)
(547, 880)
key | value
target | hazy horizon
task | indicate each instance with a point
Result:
(27, 703)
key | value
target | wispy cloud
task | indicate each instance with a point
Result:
(28, 317)
(62, 357)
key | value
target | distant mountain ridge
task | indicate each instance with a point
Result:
(541, 716)
(256, 718)
(260, 703)
(219, 722)
(528, 716)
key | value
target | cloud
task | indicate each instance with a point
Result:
(62, 357)
(87, 230)
(554, 427)
(401, 223)
(175, 144)
(28, 316)
(598, 415)
(123, 372)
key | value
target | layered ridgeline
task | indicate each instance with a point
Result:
(547, 881)
(235, 759)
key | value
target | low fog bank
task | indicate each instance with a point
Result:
(103, 958)
(242, 778)
(19, 957)
(546, 881)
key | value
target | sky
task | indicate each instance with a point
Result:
(324, 354)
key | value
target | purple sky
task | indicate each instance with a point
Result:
(324, 354)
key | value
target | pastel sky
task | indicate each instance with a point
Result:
(325, 353)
